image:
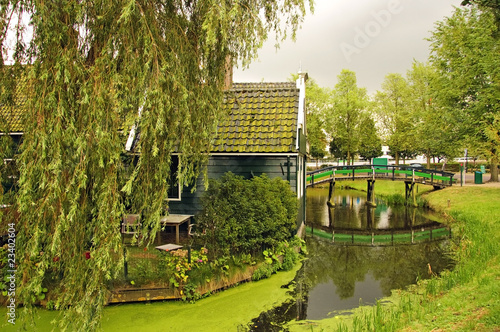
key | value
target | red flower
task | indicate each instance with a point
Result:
(87, 255)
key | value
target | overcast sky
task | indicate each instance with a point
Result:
(370, 37)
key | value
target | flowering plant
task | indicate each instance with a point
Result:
(180, 263)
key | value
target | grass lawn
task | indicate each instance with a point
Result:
(385, 187)
(465, 299)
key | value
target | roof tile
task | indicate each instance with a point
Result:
(11, 116)
(262, 117)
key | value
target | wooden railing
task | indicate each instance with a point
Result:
(389, 172)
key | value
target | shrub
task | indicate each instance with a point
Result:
(242, 216)
(283, 257)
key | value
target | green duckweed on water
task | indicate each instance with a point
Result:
(224, 311)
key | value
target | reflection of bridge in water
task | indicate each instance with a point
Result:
(352, 222)
(391, 238)
(410, 175)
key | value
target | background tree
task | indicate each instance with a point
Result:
(370, 144)
(434, 126)
(465, 53)
(343, 121)
(317, 102)
(337, 146)
(316, 135)
(493, 5)
(94, 69)
(395, 117)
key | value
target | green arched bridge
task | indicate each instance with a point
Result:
(438, 179)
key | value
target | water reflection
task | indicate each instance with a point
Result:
(357, 273)
(340, 277)
(351, 213)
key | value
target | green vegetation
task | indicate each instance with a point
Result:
(464, 299)
(99, 70)
(438, 108)
(254, 223)
(242, 216)
(284, 258)
(193, 274)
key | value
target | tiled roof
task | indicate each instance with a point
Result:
(11, 116)
(261, 117)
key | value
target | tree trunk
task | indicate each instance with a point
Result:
(428, 157)
(494, 170)
(396, 159)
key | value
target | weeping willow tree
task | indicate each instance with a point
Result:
(94, 70)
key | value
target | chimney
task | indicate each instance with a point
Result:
(228, 78)
(302, 78)
(301, 120)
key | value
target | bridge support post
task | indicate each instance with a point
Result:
(410, 193)
(331, 190)
(370, 196)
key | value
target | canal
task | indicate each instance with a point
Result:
(336, 277)
(353, 258)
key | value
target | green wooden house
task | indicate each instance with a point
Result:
(264, 132)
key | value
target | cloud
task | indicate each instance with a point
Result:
(394, 40)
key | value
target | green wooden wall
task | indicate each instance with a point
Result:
(246, 166)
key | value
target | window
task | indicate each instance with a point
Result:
(174, 190)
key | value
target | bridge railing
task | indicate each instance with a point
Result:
(392, 237)
(392, 172)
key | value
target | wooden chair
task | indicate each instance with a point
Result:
(131, 224)
(191, 232)
(196, 236)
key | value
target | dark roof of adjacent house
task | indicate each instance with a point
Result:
(12, 111)
(261, 117)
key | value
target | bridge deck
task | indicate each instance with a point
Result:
(390, 172)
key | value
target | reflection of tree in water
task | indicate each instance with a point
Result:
(316, 198)
(342, 265)
(395, 267)
(402, 265)
(350, 212)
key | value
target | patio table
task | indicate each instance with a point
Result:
(175, 220)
